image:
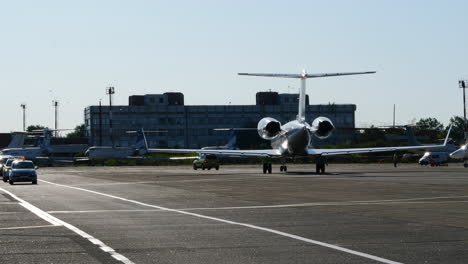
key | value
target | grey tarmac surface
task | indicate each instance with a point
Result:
(356, 213)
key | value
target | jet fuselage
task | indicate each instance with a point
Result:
(294, 139)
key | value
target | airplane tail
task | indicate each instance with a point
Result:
(412, 141)
(303, 76)
(232, 142)
(46, 139)
(141, 143)
(17, 140)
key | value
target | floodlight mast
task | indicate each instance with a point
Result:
(462, 84)
(110, 91)
(55, 104)
(24, 116)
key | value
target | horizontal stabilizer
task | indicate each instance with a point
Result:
(305, 75)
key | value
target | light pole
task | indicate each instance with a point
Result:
(24, 116)
(110, 91)
(462, 84)
(55, 104)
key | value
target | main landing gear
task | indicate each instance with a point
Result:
(320, 166)
(284, 168)
(266, 168)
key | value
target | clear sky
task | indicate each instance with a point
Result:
(72, 50)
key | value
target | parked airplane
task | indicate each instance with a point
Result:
(31, 152)
(17, 140)
(461, 153)
(134, 152)
(232, 141)
(293, 138)
(436, 156)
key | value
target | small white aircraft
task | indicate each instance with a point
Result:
(435, 157)
(31, 152)
(293, 138)
(17, 140)
(461, 153)
(136, 151)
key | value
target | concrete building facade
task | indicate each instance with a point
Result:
(192, 126)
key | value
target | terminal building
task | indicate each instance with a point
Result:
(192, 126)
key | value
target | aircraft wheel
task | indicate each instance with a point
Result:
(217, 168)
(317, 168)
(202, 167)
(269, 168)
(195, 167)
(285, 169)
(322, 168)
(281, 168)
(264, 168)
(209, 168)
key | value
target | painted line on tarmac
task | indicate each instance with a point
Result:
(104, 211)
(45, 216)
(269, 230)
(249, 207)
(113, 183)
(351, 203)
(57, 222)
(26, 227)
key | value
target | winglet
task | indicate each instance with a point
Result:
(447, 137)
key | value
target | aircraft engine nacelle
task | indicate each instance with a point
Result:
(268, 128)
(322, 127)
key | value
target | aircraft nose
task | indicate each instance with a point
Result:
(457, 154)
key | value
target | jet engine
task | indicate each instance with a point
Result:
(268, 128)
(322, 127)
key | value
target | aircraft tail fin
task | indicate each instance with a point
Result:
(46, 139)
(448, 135)
(412, 141)
(232, 142)
(17, 140)
(141, 143)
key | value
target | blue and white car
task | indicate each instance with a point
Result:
(22, 171)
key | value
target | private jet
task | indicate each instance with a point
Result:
(461, 153)
(292, 139)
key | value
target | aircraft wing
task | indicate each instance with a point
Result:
(225, 152)
(307, 75)
(318, 75)
(334, 152)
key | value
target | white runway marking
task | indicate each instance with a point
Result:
(351, 203)
(104, 211)
(269, 230)
(113, 183)
(26, 227)
(57, 222)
